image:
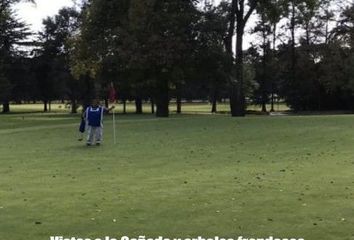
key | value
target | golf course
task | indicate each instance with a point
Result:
(183, 176)
(177, 120)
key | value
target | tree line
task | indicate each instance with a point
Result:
(160, 50)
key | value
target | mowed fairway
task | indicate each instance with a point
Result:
(184, 176)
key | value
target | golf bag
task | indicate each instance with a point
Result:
(82, 125)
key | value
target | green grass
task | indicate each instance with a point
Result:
(186, 108)
(184, 176)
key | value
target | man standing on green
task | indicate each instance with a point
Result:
(94, 120)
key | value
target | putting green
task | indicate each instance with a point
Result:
(185, 176)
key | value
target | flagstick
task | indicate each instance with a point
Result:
(114, 127)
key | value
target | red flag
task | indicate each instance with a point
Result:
(112, 94)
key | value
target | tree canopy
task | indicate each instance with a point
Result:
(172, 50)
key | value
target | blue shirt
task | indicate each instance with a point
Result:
(94, 116)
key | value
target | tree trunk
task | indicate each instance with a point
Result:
(106, 103)
(6, 106)
(45, 106)
(73, 106)
(308, 36)
(264, 74)
(214, 101)
(272, 101)
(179, 104)
(293, 56)
(138, 105)
(124, 106)
(152, 106)
(237, 99)
(214, 107)
(50, 106)
(274, 35)
(231, 30)
(162, 98)
(327, 32)
(229, 50)
(272, 78)
(264, 107)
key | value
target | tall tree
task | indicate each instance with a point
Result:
(96, 55)
(12, 32)
(147, 41)
(53, 70)
(164, 35)
(270, 13)
(239, 15)
(212, 59)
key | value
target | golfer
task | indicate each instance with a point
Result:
(94, 120)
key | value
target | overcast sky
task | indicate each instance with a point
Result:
(33, 14)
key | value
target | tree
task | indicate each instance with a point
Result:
(164, 35)
(270, 13)
(304, 85)
(95, 53)
(145, 41)
(210, 66)
(53, 70)
(240, 12)
(263, 29)
(12, 32)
